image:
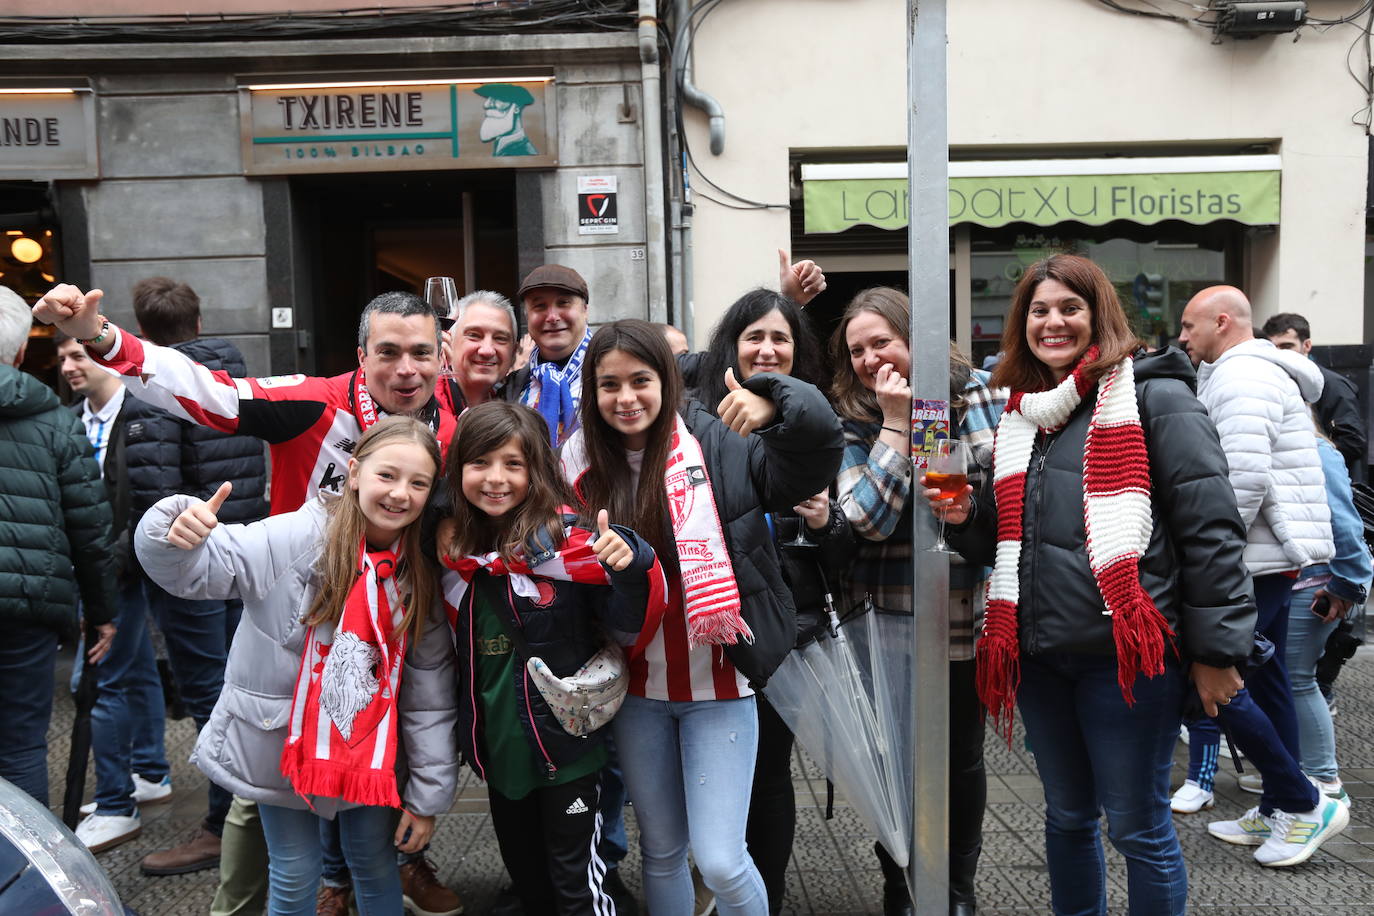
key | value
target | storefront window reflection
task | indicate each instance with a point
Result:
(1154, 278)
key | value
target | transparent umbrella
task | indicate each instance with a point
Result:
(844, 697)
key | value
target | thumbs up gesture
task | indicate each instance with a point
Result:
(741, 410)
(801, 282)
(609, 547)
(194, 525)
(75, 313)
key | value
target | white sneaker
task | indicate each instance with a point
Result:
(1190, 798)
(1295, 837)
(1250, 829)
(146, 792)
(1334, 790)
(1251, 782)
(101, 831)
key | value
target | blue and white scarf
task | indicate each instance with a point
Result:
(556, 392)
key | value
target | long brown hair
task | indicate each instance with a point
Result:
(1019, 369)
(481, 430)
(343, 533)
(603, 486)
(853, 400)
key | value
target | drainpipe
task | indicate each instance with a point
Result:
(652, 126)
(690, 93)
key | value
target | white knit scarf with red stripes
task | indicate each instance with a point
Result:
(710, 594)
(342, 737)
(1116, 512)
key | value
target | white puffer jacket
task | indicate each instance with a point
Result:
(1256, 395)
(271, 566)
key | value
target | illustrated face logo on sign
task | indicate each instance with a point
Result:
(501, 123)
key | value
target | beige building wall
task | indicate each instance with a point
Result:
(1062, 77)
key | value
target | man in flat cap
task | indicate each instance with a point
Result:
(555, 301)
(502, 125)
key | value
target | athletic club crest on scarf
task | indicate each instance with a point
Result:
(1118, 522)
(342, 737)
(710, 595)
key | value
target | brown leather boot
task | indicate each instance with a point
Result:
(333, 901)
(422, 893)
(199, 852)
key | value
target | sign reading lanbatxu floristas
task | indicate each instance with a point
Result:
(292, 128)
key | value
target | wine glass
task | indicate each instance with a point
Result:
(947, 471)
(442, 295)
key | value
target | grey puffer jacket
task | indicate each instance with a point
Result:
(271, 566)
(55, 521)
(1193, 567)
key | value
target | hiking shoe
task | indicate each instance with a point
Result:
(1296, 836)
(333, 901)
(101, 831)
(1251, 782)
(146, 792)
(423, 894)
(199, 852)
(1190, 798)
(1251, 829)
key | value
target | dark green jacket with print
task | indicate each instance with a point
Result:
(53, 512)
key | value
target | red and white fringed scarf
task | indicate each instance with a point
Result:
(573, 561)
(1116, 510)
(710, 594)
(342, 738)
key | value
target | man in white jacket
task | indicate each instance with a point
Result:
(1257, 396)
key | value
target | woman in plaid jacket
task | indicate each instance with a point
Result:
(872, 395)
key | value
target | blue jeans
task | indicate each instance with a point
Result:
(129, 719)
(28, 657)
(1095, 754)
(198, 635)
(688, 768)
(1307, 635)
(293, 849)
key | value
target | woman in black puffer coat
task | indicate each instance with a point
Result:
(1117, 544)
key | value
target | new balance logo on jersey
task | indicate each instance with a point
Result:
(345, 445)
(577, 807)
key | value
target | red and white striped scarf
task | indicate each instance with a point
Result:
(1116, 512)
(710, 593)
(342, 737)
(572, 561)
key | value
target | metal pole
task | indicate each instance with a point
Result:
(928, 242)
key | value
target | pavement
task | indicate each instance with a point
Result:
(833, 870)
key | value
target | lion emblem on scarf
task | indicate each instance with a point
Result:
(349, 681)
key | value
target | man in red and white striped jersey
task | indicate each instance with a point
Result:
(311, 423)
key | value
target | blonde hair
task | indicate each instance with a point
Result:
(344, 531)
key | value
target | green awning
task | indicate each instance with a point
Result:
(1193, 189)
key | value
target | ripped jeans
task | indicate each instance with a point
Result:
(688, 768)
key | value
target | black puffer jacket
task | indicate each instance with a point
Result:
(166, 455)
(1193, 568)
(55, 524)
(771, 470)
(565, 630)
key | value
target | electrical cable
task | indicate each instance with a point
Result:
(686, 33)
(1364, 8)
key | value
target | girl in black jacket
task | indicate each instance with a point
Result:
(522, 584)
(764, 331)
(699, 487)
(1117, 545)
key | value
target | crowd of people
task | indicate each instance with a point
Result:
(577, 577)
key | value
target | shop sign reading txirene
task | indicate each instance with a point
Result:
(1246, 192)
(398, 124)
(47, 132)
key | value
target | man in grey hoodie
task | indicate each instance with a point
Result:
(1257, 396)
